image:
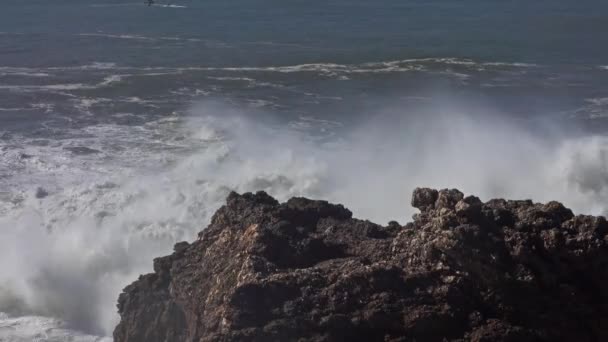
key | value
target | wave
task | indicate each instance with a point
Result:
(107, 81)
(36, 328)
(99, 66)
(68, 86)
(404, 65)
(257, 103)
(24, 74)
(243, 79)
(111, 79)
(138, 4)
(329, 70)
(116, 36)
(459, 61)
(170, 6)
(600, 101)
(139, 37)
(117, 5)
(159, 183)
(522, 65)
(15, 109)
(7, 69)
(595, 108)
(47, 107)
(250, 81)
(367, 67)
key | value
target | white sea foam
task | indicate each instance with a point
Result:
(68, 86)
(100, 66)
(117, 5)
(522, 65)
(104, 223)
(47, 107)
(116, 36)
(25, 74)
(171, 6)
(139, 37)
(111, 79)
(595, 108)
(600, 101)
(334, 69)
(454, 66)
(110, 213)
(120, 226)
(93, 66)
(41, 329)
(107, 81)
(15, 109)
(245, 79)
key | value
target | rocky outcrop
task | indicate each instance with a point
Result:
(305, 270)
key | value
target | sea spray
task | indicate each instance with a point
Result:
(68, 255)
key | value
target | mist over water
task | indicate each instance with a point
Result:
(69, 255)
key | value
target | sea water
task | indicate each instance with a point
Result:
(123, 127)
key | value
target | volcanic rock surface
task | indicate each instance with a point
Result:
(305, 270)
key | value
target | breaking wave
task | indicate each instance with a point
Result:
(138, 37)
(373, 67)
(172, 6)
(104, 215)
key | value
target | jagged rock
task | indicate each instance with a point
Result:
(41, 193)
(424, 198)
(305, 270)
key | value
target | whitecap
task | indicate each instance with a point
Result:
(111, 79)
(100, 66)
(522, 65)
(117, 5)
(245, 79)
(171, 6)
(116, 36)
(68, 86)
(25, 74)
(107, 81)
(15, 109)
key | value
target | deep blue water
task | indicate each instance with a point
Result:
(267, 32)
(53, 53)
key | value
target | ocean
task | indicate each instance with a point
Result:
(123, 127)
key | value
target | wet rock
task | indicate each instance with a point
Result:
(82, 150)
(41, 193)
(106, 185)
(305, 270)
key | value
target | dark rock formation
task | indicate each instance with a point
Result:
(82, 150)
(306, 271)
(41, 193)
